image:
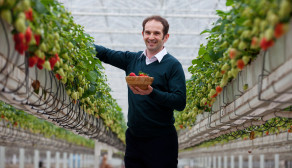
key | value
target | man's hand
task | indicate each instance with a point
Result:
(137, 90)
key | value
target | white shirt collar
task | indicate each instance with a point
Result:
(159, 56)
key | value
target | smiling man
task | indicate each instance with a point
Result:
(151, 138)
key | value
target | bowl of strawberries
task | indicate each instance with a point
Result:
(142, 80)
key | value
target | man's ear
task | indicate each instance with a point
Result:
(142, 33)
(166, 38)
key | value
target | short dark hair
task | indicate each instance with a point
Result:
(160, 19)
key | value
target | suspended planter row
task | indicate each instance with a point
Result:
(18, 125)
(271, 144)
(274, 132)
(235, 40)
(53, 74)
(39, 92)
(269, 90)
(260, 88)
(14, 136)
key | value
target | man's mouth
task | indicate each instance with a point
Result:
(151, 43)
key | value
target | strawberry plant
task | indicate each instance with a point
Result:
(19, 118)
(272, 126)
(46, 33)
(235, 40)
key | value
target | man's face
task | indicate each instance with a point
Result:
(153, 36)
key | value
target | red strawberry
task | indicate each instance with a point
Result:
(181, 126)
(19, 40)
(40, 63)
(232, 53)
(20, 48)
(218, 89)
(144, 75)
(37, 38)
(15, 37)
(267, 132)
(29, 14)
(254, 42)
(28, 34)
(57, 57)
(2, 116)
(15, 124)
(280, 29)
(58, 76)
(132, 74)
(222, 72)
(215, 95)
(32, 61)
(240, 64)
(53, 61)
(266, 44)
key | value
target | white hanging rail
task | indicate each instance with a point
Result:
(271, 144)
(269, 92)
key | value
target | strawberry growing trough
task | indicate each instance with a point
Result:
(49, 69)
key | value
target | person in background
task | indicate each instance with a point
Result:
(151, 138)
(104, 163)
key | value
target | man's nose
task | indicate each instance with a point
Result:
(151, 36)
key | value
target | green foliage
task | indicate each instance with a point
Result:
(28, 122)
(77, 68)
(237, 36)
(273, 126)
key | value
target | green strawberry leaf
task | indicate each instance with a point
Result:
(92, 76)
(229, 2)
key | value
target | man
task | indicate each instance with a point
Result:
(104, 163)
(151, 138)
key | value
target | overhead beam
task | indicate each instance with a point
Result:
(139, 32)
(144, 9)
(197, 16)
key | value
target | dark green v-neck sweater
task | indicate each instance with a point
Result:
(151, 115)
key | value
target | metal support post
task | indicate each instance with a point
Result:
(2, 157)
(57, 159)
(277, 158)
(214, 161)
(249, 161)
(225, 161)
(48, 160)
(240, 161)
(21, 158)
(262, 161)
(36, 159)
(65, 160)
(219, 161)
(232, 161)
(71, 160)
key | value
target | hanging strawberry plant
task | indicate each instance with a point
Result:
(18, 118)
(272, 126)
(235, 40)
(45, 33)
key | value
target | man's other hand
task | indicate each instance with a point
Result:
(137, 90)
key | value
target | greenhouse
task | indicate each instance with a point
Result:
(74, 93)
